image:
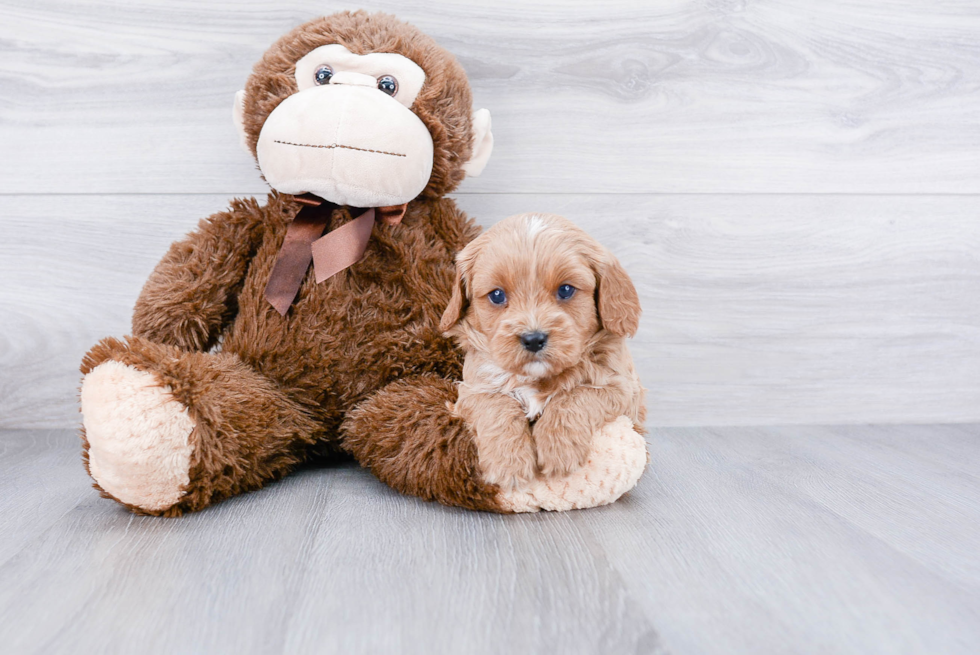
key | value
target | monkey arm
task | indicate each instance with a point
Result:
(191, 296)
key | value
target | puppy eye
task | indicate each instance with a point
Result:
(497, 296)
(388, 84)
(566, 291)
(323, 75)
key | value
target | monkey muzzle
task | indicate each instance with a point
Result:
(348, 144)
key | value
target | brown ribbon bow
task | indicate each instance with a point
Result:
(331, 253)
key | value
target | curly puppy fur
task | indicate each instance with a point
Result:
(547, 364)
(265, 391)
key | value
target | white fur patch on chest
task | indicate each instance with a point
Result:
(519, 387)
(532, 401)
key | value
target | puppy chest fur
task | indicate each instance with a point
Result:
(481, 375)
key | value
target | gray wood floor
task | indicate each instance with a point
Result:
(737, 540)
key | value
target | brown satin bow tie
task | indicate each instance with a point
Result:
(331, 253)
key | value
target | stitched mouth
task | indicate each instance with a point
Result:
(338, 145)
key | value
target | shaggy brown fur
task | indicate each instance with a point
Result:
(412, 442)
(279, 388)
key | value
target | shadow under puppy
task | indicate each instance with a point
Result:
(542, 312)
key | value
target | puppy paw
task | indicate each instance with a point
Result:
(561, 446)
(507, 463)
(556, 459)
(137, 436)
(615, 462)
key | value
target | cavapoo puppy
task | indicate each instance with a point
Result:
(542, 312)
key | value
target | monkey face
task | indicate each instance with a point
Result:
(373, 129)
(349, 135)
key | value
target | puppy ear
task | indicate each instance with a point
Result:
(616, 298)
(457, 304)
(459, 300)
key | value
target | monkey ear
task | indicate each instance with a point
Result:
(616, 298)
(238, 115)
(482, 143)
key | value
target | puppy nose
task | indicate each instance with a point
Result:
(534, 341)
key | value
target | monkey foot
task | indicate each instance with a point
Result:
(618, 459)
(138, 437)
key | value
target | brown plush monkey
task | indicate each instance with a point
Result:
(245, 360)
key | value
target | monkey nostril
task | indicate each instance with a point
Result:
(534, 341)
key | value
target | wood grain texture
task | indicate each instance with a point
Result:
(621, 96)
(852, 539)
(758, 309)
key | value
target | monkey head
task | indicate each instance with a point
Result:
(362, 110)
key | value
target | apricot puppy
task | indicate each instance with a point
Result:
(542, 312)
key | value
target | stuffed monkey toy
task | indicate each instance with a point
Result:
(309, 325)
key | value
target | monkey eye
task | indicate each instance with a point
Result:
(388, 84)
(323, 74)
(497, 296)
(566, 291)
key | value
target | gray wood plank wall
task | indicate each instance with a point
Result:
(793, 185)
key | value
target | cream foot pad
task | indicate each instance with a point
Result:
(138, 436)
